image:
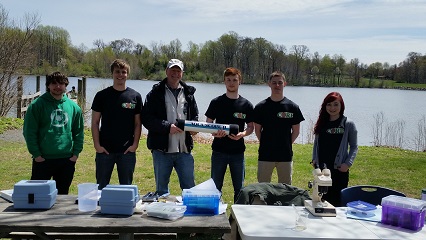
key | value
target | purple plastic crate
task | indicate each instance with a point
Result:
(403, 212)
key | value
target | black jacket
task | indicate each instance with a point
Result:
(154, 116)
(273, 194)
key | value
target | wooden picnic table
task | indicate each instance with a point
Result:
(65, 218)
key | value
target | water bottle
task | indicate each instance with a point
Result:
(424, 194)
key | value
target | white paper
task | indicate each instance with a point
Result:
(206, 185)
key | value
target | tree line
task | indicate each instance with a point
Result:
(256, 57)
(30, 48)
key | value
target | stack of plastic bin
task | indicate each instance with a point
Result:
(403, 212)
(119, 199)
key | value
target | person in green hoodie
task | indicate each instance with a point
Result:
(54, 133)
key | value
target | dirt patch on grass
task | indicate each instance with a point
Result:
(14, 135)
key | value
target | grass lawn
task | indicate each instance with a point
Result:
(398, 169)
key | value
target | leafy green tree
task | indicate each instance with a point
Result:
(355, 65)
(245, 58)
(263, 54)
(314, 71)
(191, 57)
(53, 45)
(228, 45)
(340, 63)
(211, 58)
(326, 69)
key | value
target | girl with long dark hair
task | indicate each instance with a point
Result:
(335, 144)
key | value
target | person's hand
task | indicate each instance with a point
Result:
(236, 137)
(100, 149)
(174, 129)
(343, 167)
(219, 134)
(131, 149)
(39, 159)
(73, 158)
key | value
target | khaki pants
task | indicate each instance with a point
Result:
(284, 171)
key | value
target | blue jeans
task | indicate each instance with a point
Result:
(163, 166)
(220, 162)
(105, 165)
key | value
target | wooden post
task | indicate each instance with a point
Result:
(38, 84)
(84, 89)
(20, 93)
(83, 105)
(45, 88)
(80, 92)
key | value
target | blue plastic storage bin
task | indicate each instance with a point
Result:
(117, 201)
(34, 194)
(133, 187)
(201, 202)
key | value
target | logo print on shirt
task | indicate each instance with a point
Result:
(58, 118)
(338, 130)
(128, 105)
(285, 115)
(239, 115)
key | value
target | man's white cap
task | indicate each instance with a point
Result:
(175, 62)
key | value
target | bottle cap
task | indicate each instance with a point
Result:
(424, 191)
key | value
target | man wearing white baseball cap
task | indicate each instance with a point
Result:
(169, 100)
(175, 62)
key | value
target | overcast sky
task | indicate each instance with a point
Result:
(372, 31)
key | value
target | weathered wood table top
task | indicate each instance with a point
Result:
(64, 217)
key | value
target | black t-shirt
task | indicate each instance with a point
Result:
(277, 119)
(329, 142)
(118, 110)
(230, 111)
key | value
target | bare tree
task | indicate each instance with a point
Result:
(377, 129)
(172, 50)
(300, 53)
(15, 54)
(394, 134)
(420, 135)
(310, 137)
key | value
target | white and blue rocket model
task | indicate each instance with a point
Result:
(206, 127)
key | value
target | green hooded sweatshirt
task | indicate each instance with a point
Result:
(54, 128)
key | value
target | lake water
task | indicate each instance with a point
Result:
(362, 104)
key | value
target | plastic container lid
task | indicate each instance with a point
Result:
(404, 202)
(361, 205)
(116, 195)
(169, 211)
(34, 186)
(200, 193)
